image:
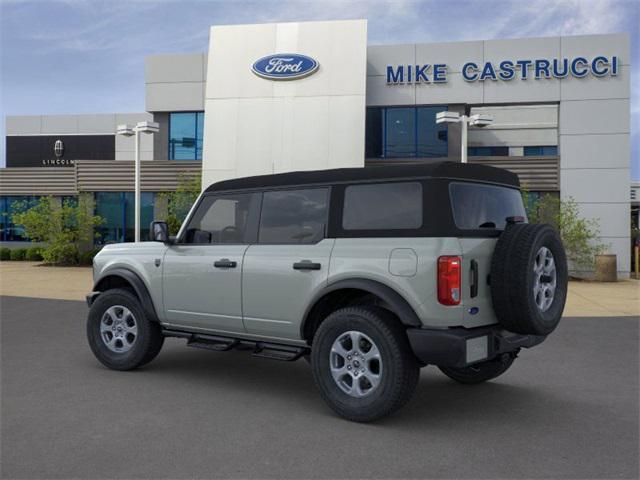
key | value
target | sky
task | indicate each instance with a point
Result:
(87, 56)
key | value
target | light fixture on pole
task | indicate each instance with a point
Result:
(128, 131)
(477, 120)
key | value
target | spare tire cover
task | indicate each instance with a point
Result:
(529, 279)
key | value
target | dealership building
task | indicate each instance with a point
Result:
(312, 95)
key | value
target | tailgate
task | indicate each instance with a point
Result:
(476, 293)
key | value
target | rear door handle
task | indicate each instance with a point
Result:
(474, 279)
(306, 265)
(225, 263)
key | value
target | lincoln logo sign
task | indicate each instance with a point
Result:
(58, 148)
(285, 66)
(505, 70)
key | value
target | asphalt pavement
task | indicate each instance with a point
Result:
(566, 409)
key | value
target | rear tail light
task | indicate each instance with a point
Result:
(449, 279)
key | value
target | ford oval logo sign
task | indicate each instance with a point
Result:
(285, 66)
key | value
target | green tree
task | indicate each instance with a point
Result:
(63, 227)
(580, 236)
(179, 202)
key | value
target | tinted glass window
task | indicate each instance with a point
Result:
(383, 206)
(549, 150)
(373, 133)
(478, 206)
(400, 132)
(395, 132)
(293, 216)
(432, 136)
(488, 151)
(185, 135)
(220, 219)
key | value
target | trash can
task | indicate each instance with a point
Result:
(606, 268)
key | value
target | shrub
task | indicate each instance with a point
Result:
(5, 253)
(34, 254)
(18, 253)
(86, 258)
(63, 227)
(58, 254)
(580, 236)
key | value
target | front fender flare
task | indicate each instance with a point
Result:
(136, 283)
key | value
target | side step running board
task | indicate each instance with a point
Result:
(274, 351)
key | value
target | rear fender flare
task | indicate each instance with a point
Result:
(396, 302)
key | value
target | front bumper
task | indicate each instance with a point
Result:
(459, 347)
(91, 297)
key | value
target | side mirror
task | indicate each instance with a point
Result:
(159, 232)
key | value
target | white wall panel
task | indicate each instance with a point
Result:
(455, 90)
(613, 218)
(521, 49)
(257, 126)
(595, 151)
(517, 90)
(379, 93)
(175, 68)
(23, 124)
(58, 124)
(591, 87)
(596, 185)
(594, 116)
(174, 97)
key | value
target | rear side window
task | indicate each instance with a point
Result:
(383, 206)
(294, 216)
(477, 206)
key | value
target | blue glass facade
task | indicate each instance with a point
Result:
(185, 135)
(545, 151)
(488, 151)
(405, 132)
(10, 232)
(116, 208)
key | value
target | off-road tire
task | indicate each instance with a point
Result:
(480, 372)
(512, 279)
(400, 372)
(149, 339)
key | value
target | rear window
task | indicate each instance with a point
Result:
(477, 206)
(383, 206)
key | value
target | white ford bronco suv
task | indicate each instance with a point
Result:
(369, 273)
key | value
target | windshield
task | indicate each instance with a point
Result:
(476, 206)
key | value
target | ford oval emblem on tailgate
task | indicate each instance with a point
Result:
(285, 66)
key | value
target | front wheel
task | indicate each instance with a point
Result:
(119, 333)
(363, 364)
(481, 372)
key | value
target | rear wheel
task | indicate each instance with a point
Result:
(362, 363)
(119, 333)
(481, 372)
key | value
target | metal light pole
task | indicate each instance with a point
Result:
(128, 131)
(478, 120)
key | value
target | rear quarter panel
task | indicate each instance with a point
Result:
(376, 259)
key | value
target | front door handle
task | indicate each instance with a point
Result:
(225, 263)
(306, 265)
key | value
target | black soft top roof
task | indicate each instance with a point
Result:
(446, 169)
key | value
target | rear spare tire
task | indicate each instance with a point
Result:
(529, 279)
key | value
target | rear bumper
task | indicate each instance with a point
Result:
(459, 347)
